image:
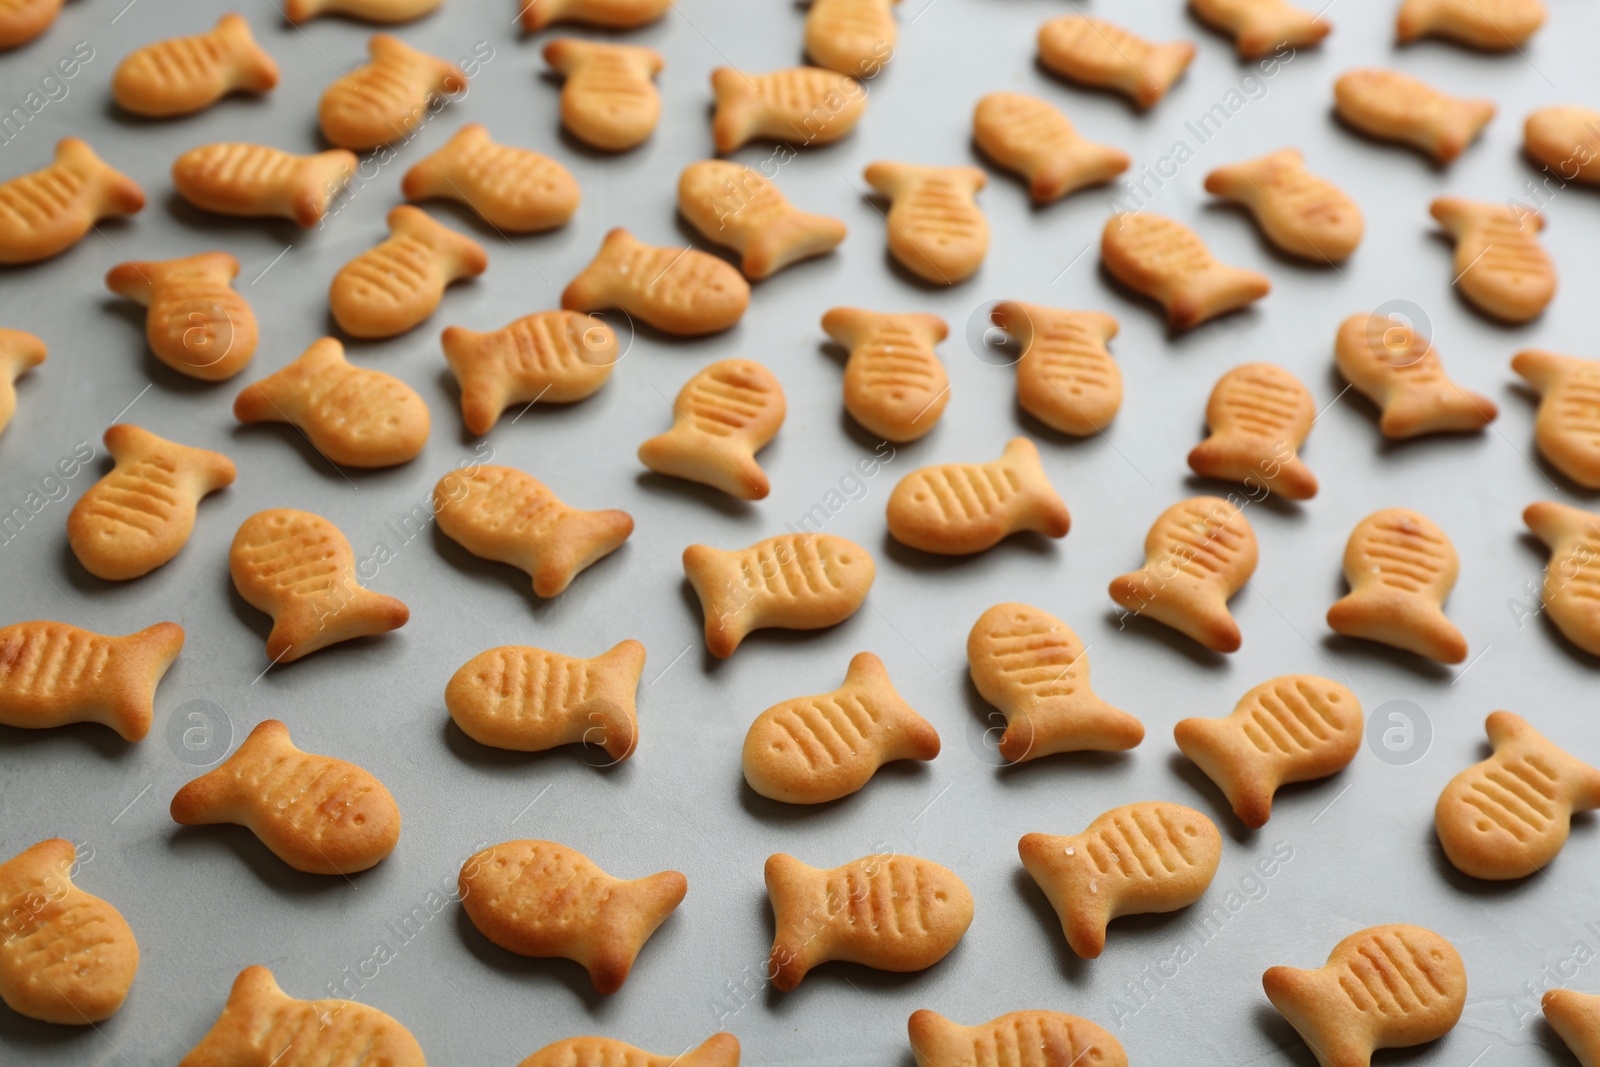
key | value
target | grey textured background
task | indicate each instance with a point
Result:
(206, 902)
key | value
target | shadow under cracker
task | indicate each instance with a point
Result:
(1071, 966)
(1145, 629)
(668, 487)
(535, 971)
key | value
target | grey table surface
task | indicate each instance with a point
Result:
(1360, 848)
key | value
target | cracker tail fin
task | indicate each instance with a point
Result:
(115, 193)
(435, 175)
(1459, 126)
(714, 574)
(1089, 725)
(198, 802)
(888, 178)
(1541, 369)
(1288, 25)
(1417, 411)
(537, 14)
(1083, 915)
(1571, 1016)
(303, 626)
(1163, 65)
(574, 541)
(845, 325)
(460, 255)
(1553, 523)
(1302, 998)
(138, 663)
(738, 111)
(253, 996)
(1083, 165)
(134, 279)
(718, 1050)
(591, 289)
(318, 181)
(799, 235)
(485, 385)
(1017, 319)
(934, 1039)
(1045, 510)
(1206, 742)
(255, 70)
(613, 715)
(1415, 19)
(298, 11)
(1216, 291)
(1293, 479)
(1379, 617)
(261, 401)
(631, 914)
(684, 451)
(915, 737)
(799, 932)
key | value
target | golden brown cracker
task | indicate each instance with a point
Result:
(1392, 106)
(141, 513)
(793, 581)
(318, 814)
(47, 211)
(388, 98)
(1100, 54)
(1133, 860)
(352, 416)
(186, 74)
(609, 100)
(1031, 136)
(890, 912)
(1382, 987)
(298, 568)
(1033, 667)
(1509, 815)
(733, 206)
(513, 189)
(529, 700)
(935, 228)
(1198, 554)
(397, 284)
(549, 357)
(1293, 728)
(1168, 262)
(894, 383)
(813, 749)
(954, 509)
(1400, 567)
(722, 417)
(252, 180)
(541, 899)
(502, 514)
(52, 673)
(196, 322)
(1259, 415)
(680, 291)
(1399, 370)
(66, 955)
